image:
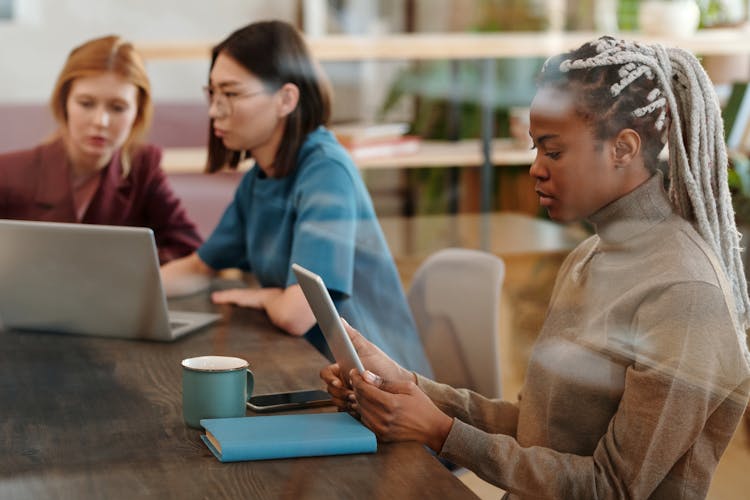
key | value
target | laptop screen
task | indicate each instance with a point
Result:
(82, 279)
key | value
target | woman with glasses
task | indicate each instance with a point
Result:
(302, 202)
(95, 169)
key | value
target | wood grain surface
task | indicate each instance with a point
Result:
(86, 417)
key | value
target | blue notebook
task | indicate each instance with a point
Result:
(284, 436)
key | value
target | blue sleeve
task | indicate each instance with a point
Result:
(326, 225)
(226, 247)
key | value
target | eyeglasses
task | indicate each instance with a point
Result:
(224, 99)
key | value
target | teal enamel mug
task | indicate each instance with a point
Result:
(214, 387)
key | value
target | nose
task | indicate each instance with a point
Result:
(216, 110)
(102, 117)
(537, 169)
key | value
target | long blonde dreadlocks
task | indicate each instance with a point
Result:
(665, 95)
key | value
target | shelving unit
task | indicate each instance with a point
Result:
(431, 154)
(487, 47)
(463, 46)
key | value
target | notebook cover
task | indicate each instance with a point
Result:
(284, 436)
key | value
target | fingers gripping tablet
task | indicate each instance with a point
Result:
(328, 319)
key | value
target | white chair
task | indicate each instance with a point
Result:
(455, 297)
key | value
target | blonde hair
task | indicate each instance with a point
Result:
(101, 55)
(665, 95)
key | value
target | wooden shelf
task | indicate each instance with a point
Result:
(430, 154)
(446, 46)
(452, 154)
(727, 41)
(183, 160)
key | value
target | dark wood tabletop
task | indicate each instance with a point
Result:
(87, 417)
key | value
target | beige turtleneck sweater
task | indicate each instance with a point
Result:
(636, 382)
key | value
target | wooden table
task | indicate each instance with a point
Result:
(86, 417)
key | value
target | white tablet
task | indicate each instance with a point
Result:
(328, 319)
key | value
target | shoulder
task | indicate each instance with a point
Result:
(690, 265)
(686, 256)
(672, 268)
(27, 157)
(323, 158)
(146, 156)
(19, 157)
(145, 165)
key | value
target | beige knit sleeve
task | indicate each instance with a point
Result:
(492, 415)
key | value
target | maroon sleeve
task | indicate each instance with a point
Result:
(176, 235)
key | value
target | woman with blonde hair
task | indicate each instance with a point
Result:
(96, 169)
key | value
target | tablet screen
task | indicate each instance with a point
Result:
(328, 319)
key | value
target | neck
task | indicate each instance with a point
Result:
(264, 161)
(633, 213)
(635, 175)
(265, 154)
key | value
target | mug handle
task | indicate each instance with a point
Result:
(250, 383)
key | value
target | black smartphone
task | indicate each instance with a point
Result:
(293, 400)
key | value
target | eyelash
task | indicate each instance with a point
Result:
(223, 93)
(117, 108)
(553, 155)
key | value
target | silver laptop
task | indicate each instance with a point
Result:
(86, 279)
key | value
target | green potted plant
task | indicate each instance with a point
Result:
(446, 99)
(720, 13)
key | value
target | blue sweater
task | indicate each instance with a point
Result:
(321, 217)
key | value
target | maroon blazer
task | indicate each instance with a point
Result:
(35, 185)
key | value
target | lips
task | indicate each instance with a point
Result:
(97, 140)
(544, 198)
(219, 132)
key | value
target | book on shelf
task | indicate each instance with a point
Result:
(356, 134)
(285, 436)
(404, 145)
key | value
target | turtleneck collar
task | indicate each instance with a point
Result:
(634, 213)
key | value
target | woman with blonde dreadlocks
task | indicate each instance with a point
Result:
(639, 375)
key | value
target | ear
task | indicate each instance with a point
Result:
(627, 147)
(288, 98)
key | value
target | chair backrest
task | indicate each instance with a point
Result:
(455, 297)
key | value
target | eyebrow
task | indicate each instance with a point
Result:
(541, 140)
(230, 83)
(86, 95)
